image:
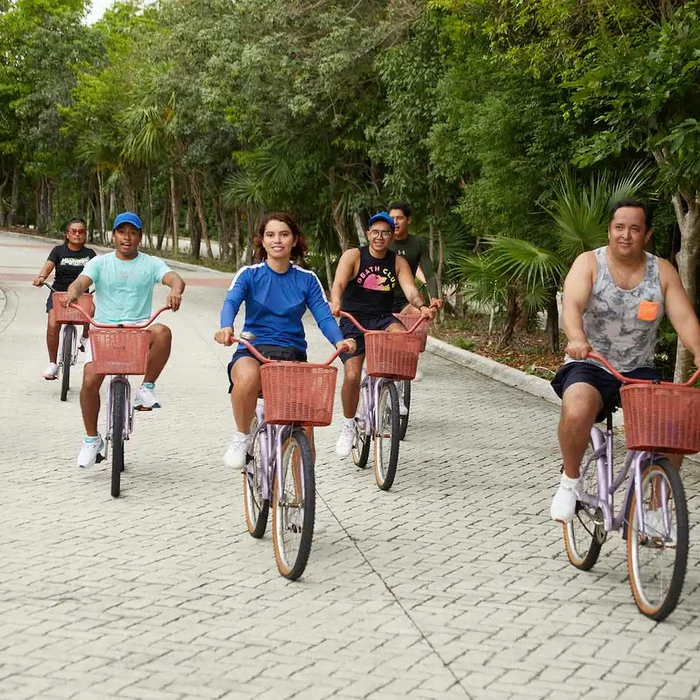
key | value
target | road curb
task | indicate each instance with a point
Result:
(501, 373)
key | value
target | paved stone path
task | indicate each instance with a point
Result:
(453, 585)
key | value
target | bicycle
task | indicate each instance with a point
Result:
(403, 386)
(279, 467)
(68, 338)
(120, 351)
(660, 418)
(390, 357)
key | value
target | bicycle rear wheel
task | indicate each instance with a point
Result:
(293, 509)
(404, 389)
(360, 447)
(386, 441)
(585, 534)
(257, 507)
(118, 422)
(657, 552)
(68, 334)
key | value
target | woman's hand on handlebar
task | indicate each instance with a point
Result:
(224, 336)
(38, 281)
(348, 345)
(578, 349)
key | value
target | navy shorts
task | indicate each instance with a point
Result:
(49, 303)
(600, 379)
(272, 352)
(350, 330)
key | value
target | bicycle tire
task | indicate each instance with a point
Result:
(292, 560)
(118, 420)
(361, 444)
(659, 609)
(403, 420)
(66, 359)
(585, 534)
(256, 507)
(388, 412)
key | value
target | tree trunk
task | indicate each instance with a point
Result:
(2, 206)
(101, 197)
(250, 223)
(552, 324)
(197, 194)
(360, 228)
(14, 199)
(175, 204)
(512, 316)
(224, 234)
(236, 239)
(164, 220)
(340, 228)
(688, 215)
(440, 266)
(329, 270)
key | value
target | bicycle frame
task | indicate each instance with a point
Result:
(371, 388)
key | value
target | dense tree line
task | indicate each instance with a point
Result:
(508, 126)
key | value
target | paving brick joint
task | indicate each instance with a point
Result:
(454, 584)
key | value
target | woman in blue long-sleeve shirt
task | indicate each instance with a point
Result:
(276, 293)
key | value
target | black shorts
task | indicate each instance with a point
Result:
(49, 302)
(400, 303)
(350, 330)
(600, 379)
(272, 352)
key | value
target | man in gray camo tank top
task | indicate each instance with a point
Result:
(614, 300)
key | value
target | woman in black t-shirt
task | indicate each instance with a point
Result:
(68, 259)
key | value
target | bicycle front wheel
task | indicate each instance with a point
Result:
(585, 534)
(657, 548)
(66, 359)
(257, 507)
(404, 388)
(294, 506)
(360, 447)
(118, 422)
(386, 441)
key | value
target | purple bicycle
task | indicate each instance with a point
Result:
(391, 357)
(653, 516)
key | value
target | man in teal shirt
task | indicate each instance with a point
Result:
(124, 282)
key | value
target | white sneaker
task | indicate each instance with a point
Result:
(145, 399)
(403, 411)
(655, 526)
(235, 456)
(346, 438)
(89, 451)
(563, 505)
(51, 371)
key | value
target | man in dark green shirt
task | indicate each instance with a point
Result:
(415, 250)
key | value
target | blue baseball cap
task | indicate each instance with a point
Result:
(127, 217)
(382, 216)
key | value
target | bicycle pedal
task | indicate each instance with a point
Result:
(99, 458)
(142, 408)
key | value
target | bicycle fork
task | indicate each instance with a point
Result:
(128, 414)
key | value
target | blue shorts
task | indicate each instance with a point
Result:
(272, 352)
(49, 302)
(350, 330)
(608, 387)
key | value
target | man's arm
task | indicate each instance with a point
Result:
(346, 270)
(408, 287)
(578, 286)
(679, 310)
(177, 287)
(76, 288)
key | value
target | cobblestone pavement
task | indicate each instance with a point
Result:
(452, 585)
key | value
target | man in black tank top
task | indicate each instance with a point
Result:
(364, 286)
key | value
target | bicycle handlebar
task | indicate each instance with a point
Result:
(266, 360)
(629, 380)
(145, 324)
(360, 327)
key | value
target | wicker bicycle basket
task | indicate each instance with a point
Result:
(119, 350)
(422, 330)
(661, 417)
(72, 315)
(298, 392)
(392, 355)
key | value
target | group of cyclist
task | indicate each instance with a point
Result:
(613, 301)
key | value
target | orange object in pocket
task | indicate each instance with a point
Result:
(648, 310)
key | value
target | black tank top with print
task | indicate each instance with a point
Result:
(370, 294)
